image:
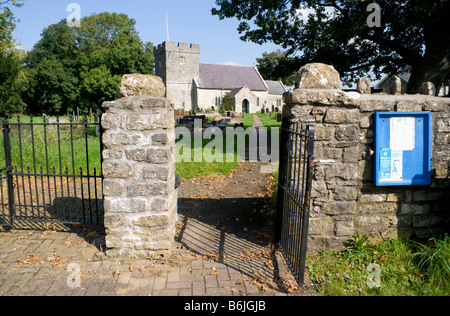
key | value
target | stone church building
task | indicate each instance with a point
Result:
(192, 86)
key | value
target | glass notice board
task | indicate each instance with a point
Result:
(402, 148)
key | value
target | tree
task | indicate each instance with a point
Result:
(7, 23)
(10, 88)
(10, 62)
(227, 103)
(411, 35)
(276, 66)
(98, 85)
(82, 66)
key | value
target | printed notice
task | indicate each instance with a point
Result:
(391, 165)
(397, 165)
(403, 133)
(385, 164)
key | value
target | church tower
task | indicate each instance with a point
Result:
(178, 66)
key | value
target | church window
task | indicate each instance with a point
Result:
(182, 60)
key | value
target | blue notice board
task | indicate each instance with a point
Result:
(402, 148)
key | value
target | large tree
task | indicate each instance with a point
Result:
(412, 34)
(81, 66)
(276, 66)
(7, 23)
(10, 62)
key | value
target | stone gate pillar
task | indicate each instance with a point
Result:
(139, 169)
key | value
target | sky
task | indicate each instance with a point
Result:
(189, 21)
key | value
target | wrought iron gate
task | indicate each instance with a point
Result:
(52, 171)
(294, 192)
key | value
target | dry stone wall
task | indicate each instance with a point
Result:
(139, 172)
(344, 197)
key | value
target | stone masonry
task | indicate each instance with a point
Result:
(344, 198)
(139, 174)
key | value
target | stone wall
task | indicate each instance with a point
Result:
(344, 197)
(139, 174)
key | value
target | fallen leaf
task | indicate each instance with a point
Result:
(132, 269)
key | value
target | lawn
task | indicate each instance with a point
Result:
(52, 153)
(269, 121)
(191, 169)
(406, 268)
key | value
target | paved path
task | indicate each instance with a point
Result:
(49, 263)
(222, 250)
(257, 121)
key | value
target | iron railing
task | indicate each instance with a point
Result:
(52, 171)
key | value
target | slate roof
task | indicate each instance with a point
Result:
(227, 77)
(275, 87)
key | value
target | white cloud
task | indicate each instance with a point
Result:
(231, 63)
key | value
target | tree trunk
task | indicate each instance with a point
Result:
(435, 65)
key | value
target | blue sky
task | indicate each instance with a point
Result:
(189, 21)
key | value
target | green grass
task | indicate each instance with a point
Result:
(248, 120)
(191, 169)
(269, 121)
(406, 268)
(50, 155)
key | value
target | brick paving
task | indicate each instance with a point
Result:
(49, 263)
(221, 251)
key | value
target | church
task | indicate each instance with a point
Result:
(192, 86)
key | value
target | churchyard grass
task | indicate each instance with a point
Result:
(269, 121)
(47, 145)
(191, 169)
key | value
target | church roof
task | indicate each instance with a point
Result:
(227, 77)
(276, 87)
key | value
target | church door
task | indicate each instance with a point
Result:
(245, 106)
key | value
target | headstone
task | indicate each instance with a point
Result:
(364, 85)
(318, 76)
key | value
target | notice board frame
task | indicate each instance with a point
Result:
(403, 158)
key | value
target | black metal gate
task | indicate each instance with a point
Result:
(52, 171)
(294, 192)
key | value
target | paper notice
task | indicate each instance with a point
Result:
(403, 133)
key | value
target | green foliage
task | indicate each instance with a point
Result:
(227, 103)
(358, 243)
(98, 85)
(10, 88)
(81, 67)
(10, 61)
(337, 33)
(434, 259)
(276, 66)
(7, 23)
(406, 268)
